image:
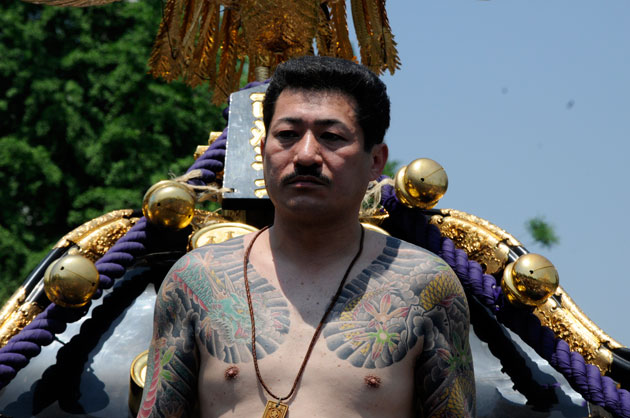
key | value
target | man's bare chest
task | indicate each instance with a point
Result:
(374, 334)
(374, 323)
(330, 385)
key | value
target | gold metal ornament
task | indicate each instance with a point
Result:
(530, 280)
(582, 335)
(486, 243)
(426, 182)
(210, 41)
(169, 204)
(137, 379)
(508, 286)
(71, 281)
(421, 184)
(401, 190)
(17, 320)
(482, 243)
(95, 237)
(275, 409)
(219, 232)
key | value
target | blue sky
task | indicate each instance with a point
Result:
(526, 105)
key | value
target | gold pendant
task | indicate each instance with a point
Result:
(275, 409)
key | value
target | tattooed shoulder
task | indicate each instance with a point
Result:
(383, 313)
(209, 283)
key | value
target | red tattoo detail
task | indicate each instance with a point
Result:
(189, 292)
(149, 401)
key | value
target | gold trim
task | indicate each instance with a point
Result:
(12, 305)
(214, 135)
(580, 339)
(94, 238)
(488, 244)
(201, 149)
(570, 305)
(501, 233)
(18, 320)
(475, 237)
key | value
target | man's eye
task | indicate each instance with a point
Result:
(330, 136)
(286, 135)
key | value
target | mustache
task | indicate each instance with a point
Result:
(311, 171)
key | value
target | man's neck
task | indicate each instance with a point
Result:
(317, 241)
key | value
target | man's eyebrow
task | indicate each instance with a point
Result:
(318, 122)
(328, 122)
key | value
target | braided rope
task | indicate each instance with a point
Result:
(584, 378)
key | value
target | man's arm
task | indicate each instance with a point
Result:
(444, 376)
(173, 363)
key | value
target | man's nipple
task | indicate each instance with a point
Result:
(372, 381)
(231, 372)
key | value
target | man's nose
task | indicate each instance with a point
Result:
(308, 151)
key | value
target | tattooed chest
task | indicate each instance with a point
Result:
(371, 326)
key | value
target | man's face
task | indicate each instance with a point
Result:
(314, 159)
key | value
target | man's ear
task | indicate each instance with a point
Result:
(379, 154)
(262, 146)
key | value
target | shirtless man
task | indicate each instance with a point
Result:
(395, 343)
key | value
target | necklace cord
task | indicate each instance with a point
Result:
(332, 303)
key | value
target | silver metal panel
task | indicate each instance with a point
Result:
(497, 398)
(243, 163)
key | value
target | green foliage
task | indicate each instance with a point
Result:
(391, 167)
(13, 255)
(542, 232)
(84, 128)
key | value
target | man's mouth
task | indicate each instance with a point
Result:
(306, 179)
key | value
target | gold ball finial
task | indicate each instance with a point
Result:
(530, 280)
(71, 281)
(401, 190)
(421, 184)
(169, 204)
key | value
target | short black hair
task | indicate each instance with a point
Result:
(327, 74)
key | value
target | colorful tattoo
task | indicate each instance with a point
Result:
(195, 303)
(378, 317)
(405, 299)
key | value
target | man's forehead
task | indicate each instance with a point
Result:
(315, 97)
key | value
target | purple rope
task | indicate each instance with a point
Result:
(211, 161)
(27, 344)
(585, 378)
